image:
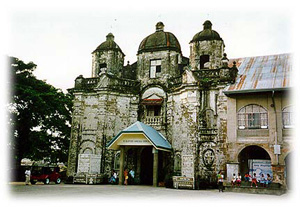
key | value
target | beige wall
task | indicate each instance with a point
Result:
(238, 139)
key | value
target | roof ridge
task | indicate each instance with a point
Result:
(287, 53)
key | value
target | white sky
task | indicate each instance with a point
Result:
(60, 39)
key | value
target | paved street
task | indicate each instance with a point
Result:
(137, 193)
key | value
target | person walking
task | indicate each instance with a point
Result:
(220, 178)
(27, 176)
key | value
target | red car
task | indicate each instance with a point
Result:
(45, 175)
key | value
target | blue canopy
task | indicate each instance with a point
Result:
(155, 137)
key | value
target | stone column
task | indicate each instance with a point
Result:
(121, 173)
(155, 166)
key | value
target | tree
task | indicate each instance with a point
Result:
(40, 116)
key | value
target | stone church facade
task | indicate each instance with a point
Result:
(188, 101)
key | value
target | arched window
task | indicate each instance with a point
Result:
(287, 117)
(252, 117)
(87, 151)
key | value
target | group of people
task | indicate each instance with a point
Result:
(237, 180)
(128, 177)
(264, 181)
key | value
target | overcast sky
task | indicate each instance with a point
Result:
(60, 39)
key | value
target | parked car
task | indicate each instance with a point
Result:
(45, 174)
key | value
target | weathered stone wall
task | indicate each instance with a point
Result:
(114, 61)
(182, 111)
(169, 66)
(213, 48)
(75, 133)
(97, 118)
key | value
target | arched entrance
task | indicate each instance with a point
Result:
(252, 157)
(146, 166)
(140, 135)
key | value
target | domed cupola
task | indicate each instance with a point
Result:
(107, 57)
(159, 41)
(207, 33)
(206, 49)
(159, 58)
(109, 44)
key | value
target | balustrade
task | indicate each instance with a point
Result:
(154, 120)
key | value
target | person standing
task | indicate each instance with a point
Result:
(131, 173)
(254, 180)
(27, 176)
(220, 178)
(126, 176)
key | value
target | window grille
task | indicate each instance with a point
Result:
(252, 117)
(288, 117)
(155, 67)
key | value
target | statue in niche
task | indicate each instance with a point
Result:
(207, 119)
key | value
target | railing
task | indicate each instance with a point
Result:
(175, 82)
(154, 120)
(91, 82)
(209, 73)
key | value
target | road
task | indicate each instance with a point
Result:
(146, 195)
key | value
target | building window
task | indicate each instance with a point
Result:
(153, 110)
(155, 68)
(102, 68)
(287, 117)
(204, 59)
(252, 117)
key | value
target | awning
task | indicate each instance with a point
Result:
(152, 101)
(140, 134)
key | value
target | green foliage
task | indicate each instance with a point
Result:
(40, 116)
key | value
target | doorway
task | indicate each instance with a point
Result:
(249, 153)
(146, 175)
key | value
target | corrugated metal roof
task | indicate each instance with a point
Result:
(156, 138)
(260, 73)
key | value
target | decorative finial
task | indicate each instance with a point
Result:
(159, 26)
(110, 36)
(225, 60)
(207, 24)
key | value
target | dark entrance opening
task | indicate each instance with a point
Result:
(147, 166)
(203, 59)
(251, 152)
